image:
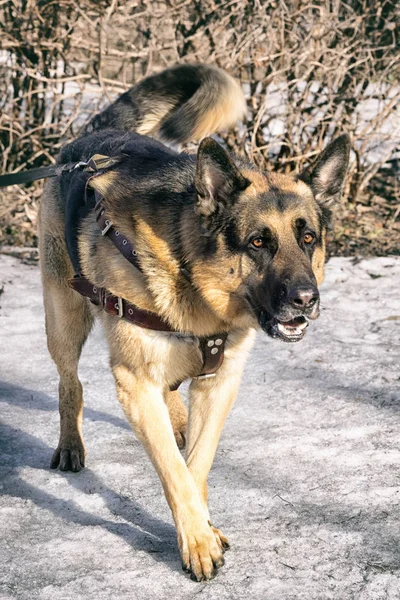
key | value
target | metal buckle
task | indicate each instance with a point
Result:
(80, 165)
(206, 376)
(98, 162)
(120, 307)
(107, 227)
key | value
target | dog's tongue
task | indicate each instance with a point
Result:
(293, 327)
(298, 323)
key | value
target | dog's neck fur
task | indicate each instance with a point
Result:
(161, 288)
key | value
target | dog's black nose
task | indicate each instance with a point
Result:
(303, 297)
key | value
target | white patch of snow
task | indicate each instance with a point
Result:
(305, 483)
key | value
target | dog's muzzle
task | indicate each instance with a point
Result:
(289, 323)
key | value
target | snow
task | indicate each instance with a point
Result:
(306, 483)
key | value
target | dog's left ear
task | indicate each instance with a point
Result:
(326, 175)
(218, 179)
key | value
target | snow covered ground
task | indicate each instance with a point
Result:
(306, 482)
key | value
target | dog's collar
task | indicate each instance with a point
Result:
(114, 305)
(212, 347)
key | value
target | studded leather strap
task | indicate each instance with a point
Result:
(118, 239)
(213, 354)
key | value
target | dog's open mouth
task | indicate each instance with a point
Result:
(287, 331)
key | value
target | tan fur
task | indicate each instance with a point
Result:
(140, 360)
(104, 182)
(144, 406)
(68, 322)
(218, 286)
(151, 121)
(146, 363)
(218, 280)
(158, 246)
(199, 314)
(286, 183)
(210, 403)
(318, 262)
(230, 108)
(262, 182)
(282, 223)
(259, 182)
(178, 415)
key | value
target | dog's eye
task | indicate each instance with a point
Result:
(257, 242)
(308, 238)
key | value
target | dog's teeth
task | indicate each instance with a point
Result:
(288, 330)
(291, 331)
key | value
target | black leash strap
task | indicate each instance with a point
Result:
(96, 163)
(34, 174)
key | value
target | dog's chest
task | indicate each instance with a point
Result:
(162, 357)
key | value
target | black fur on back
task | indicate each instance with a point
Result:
(149, 171)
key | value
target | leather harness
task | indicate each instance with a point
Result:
(212, 347)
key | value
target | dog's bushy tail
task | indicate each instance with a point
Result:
(182, 104)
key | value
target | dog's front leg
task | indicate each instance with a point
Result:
(210, 403)
(147, 412)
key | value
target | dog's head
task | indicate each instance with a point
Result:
(265, 236)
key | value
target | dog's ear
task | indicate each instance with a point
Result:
(326, 175)
(218, 179)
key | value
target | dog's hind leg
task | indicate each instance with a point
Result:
(68, 322)
(178, 416)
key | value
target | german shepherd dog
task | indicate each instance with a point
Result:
(223, 248)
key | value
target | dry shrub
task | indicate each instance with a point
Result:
(311, 70)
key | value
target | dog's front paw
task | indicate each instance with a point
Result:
(69, 455)
(202, 554)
